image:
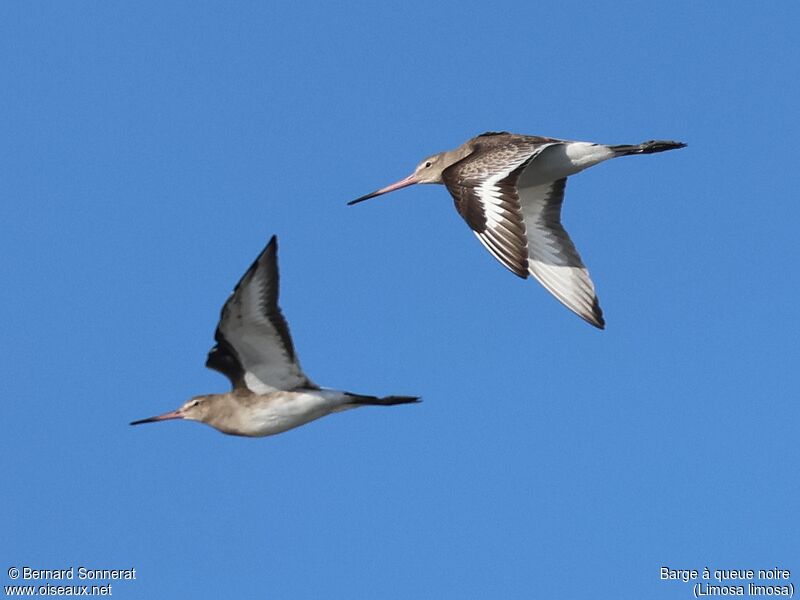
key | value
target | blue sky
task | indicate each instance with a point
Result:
(149, 150)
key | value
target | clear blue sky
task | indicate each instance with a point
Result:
(149, 150)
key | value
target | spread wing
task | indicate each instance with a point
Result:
(552, 257)
(483, 186)
(254, 348)
(521, 227)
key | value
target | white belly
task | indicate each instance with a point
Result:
(288, 410)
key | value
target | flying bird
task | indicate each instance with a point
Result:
(270, 394)
(509, 189)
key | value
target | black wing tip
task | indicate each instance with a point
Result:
(596, 318)
(268, 258)
(595, 321)
(270, 249)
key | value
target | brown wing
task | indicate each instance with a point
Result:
(483, 186)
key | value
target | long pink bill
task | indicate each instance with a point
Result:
(410, 180)
(175, 414)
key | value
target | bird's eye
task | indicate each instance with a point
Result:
(427, 164)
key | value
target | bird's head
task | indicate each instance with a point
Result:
(427, 171)
(195, 409)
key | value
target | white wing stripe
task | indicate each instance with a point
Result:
(552, 257)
